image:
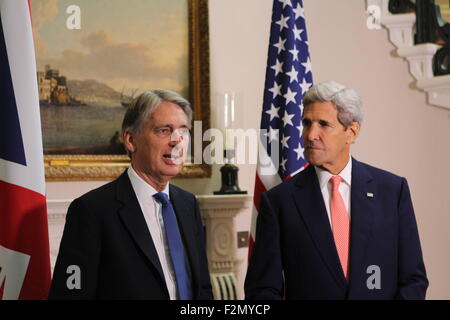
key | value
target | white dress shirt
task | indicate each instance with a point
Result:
(344, 187)
(153, 217)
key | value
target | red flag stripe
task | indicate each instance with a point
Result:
(259, 188)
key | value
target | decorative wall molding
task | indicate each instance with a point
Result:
(420, 58)
(56, 212)
(438, 89)
(401, 28)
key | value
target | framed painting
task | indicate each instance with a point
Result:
(93, 57)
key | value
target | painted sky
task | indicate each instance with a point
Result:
(123, 43)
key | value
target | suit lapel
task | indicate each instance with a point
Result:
(309, 202)
(133, 219)
(184, 209)
(363, 193)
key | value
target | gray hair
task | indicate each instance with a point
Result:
(143, 105)
(347, 101)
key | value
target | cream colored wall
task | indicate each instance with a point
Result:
(401, 133)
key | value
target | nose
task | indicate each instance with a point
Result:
(176, 137)
(311, 132)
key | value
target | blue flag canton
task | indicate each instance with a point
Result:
(288, 77)
(11, 142)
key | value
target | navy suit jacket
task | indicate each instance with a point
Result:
(106, 235)
(294, 256)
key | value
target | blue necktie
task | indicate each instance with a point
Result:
(176, 248)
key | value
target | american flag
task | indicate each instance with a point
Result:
(24, 243)
(288, 77)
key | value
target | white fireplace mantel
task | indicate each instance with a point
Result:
(218, 213)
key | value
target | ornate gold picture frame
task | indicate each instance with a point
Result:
(70, 167)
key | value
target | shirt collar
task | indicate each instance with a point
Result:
(141, 187)
(324, 176)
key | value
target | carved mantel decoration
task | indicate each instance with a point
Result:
(218, 212)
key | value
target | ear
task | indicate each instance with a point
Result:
(353, 132)
(128, 141)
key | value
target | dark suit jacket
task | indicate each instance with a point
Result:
(295, 256)
(106, 235)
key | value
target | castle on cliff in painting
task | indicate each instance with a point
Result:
(53, 88)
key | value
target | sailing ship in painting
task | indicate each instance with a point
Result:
(126, 101)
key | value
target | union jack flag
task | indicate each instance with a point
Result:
(288, 77)
(24, 244)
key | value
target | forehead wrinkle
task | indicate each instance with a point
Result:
(153, 122)
(322, 113)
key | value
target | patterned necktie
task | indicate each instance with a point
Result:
(176, 248)
(341, 223)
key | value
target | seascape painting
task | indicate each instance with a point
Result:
(88, 75)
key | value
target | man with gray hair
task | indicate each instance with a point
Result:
(340, 229)
(138, 237)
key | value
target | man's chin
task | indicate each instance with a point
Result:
(173, 169)
(314, 161)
